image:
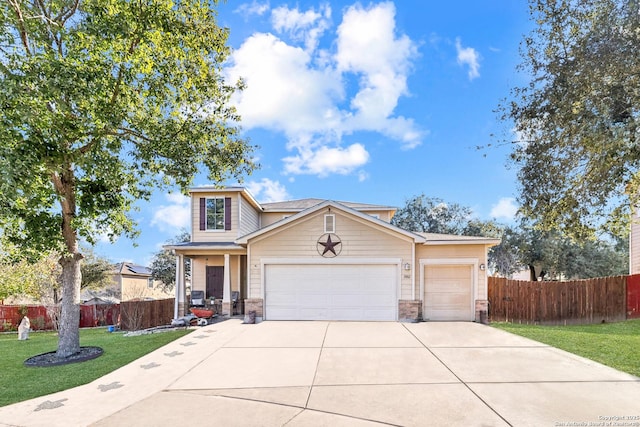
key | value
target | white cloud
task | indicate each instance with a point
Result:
(325, 160)
(506, 208)
(300, 90)
(284, 92)
(253, 8)
(470, 57)
(174, 216)
(302, 26)
(368, 47)
(267, 190)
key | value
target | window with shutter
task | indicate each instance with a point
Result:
(212, 215)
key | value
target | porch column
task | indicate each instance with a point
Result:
(180, 286)
(226, 293)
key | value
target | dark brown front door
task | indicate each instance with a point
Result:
(215, 282)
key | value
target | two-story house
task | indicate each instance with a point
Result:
(315, 259)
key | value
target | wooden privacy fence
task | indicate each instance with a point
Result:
(92, 315)
(132, 315)
(11, 315)
(572, 302)
(136, 315)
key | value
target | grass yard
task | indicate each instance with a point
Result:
(18, 382)
(613, 344)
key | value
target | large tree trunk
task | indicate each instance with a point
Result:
(69, 330)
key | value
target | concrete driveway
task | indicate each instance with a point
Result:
(346, 374)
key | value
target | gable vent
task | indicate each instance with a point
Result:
(330, 223)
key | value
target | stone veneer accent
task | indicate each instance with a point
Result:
(254, 304)
(226, 308)
(482, 311)
(409, 310)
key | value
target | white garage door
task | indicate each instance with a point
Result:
(448, 292)
(330, 292)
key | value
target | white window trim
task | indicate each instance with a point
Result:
(332, 218)
(206, 217)
(471, 262)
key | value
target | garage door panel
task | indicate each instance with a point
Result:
(330, 292)
(448, 292)
(447, 285)
(448, 299)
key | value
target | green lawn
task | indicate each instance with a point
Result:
(613, 344)
(18, 383)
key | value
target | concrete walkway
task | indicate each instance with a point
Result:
(345, 374)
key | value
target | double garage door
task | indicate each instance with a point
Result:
(331, 292)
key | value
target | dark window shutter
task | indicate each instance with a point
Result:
(203, 213)
(227, 213)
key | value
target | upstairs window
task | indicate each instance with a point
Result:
(215, 213)
(150, 283)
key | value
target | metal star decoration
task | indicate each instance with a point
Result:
(329, 245)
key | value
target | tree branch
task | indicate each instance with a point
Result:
(21, 25)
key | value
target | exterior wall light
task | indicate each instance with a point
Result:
(407, 266)
(482, 267)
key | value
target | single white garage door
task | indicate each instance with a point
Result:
(330, 292)
(448, 292)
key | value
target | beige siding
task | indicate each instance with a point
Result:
(634, 248)
(478, 252)
(217, 235)
(360, 240)
(381, 215)
(249, 217)
(137, 287)
(269, 218)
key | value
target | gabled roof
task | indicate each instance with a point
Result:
(302, 204)
(447, 239)
(210, 189)
(329, 203)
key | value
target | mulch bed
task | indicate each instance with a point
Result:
(49, 359)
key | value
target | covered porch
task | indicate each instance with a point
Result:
(217, 269)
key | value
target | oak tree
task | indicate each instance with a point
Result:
(102, 102)
(577, 117)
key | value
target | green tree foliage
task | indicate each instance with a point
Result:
(577, 118)
(163, 265)
(97, 271)
(432, 215)
(550, 255)
(101, 102)
(26, 278)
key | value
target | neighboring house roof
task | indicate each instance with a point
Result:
(447, 239)
(302, 204)
(329, 203)
(131, 269)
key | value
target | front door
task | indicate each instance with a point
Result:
(215, 282)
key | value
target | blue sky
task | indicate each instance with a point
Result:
(366, 102)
